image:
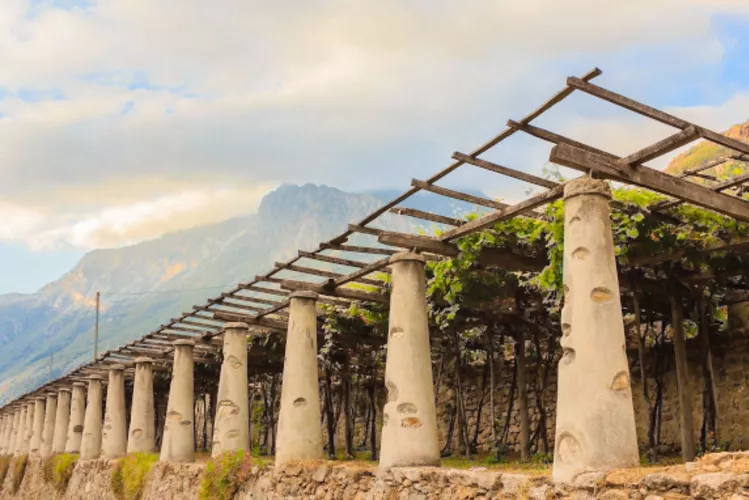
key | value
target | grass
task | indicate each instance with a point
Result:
(224, 475)
(4, 466)
(18, 468)
(58, 469)
(129, 475)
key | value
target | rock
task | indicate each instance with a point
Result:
(713, 485)
(691, 466)
(662, 482)
(412, 474)
(292, 470)
(321, 473)
(589, 480)
(514, 484)
(614, 495)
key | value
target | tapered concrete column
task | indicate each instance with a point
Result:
(141, 436)
(114, 435)
(178, 444)
(48, 432)
(595, 423)
(37, 426)
(91, 440)
(232, 430)
(62, 419)
(28, 428)
(299, 431)
(409, 431)
(15, 431)
(74, 436)
(4, 434)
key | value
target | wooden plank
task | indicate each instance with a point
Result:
(570, 156)
(356, 276)
(420, 214)
(662, 147)
(501, 215)
(261, 289)
(723, 186)
(714, 163)
(255, 300)
(656, 114)
(357, 249)
(341, 292)
(538, 181)
(250, 320)
(195, 323)
(457, 195)
(364, 229)
(182, 329)
(418, 242)
(331, 259)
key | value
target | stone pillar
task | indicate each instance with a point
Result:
(232, 429)
(4, 435)
(114, 436)
(74, 435)
(299, 431)
(178, 444)
(37, 426)
(91, 440)
(595, 423)
(141, 435)
(409, 431)
(48, 434)
(28, 428)
(62, 419)
(15, 431)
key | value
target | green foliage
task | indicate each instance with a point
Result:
(18, 469)
(58, 469)
(4, 466)
(129, 475)
(224, 475)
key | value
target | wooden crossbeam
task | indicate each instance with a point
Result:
(660, 148)
(420, 214)
(735, 245)
(329, 289)
(656, 114)
(329, 274)
(250, 320)
(332, 260)
(357, 275)
(579, 159)
(373, 231)
(255, 300)
(357, 249)
(723, 186)
(261, 289)
(195, 323)
(707, 166)
(457, 195)
(538, 181)
(501, 215)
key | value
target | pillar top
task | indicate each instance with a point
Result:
(407, 256)
(143, 359)
(116, 367)
(95, 376)
(236, 325)
(184, 342)
(40, 398)
(586, 185)
(304, 294)
(67, 389)
(79, 384)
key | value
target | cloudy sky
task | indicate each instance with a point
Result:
(124, 119)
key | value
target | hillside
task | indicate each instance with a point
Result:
(705, 151)
(144, 285)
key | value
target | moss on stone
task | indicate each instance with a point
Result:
(18, 469)
(4, 466)
(224, 475)
(58, 469)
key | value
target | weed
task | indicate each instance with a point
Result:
(18, 469)
(224, 475)
(4, 466)
(129, 475)
(58, 469)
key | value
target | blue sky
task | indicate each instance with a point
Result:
(124, 119)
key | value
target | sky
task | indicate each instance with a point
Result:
(121, 120)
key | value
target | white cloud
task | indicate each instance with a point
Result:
(355, 94)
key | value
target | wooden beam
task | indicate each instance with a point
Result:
(660, 148)
(357, 249)
(332, 260)
(549, 196)
(250, 320)
(261, 289)
(457, 195)
(570, 156)
(357, 276)
(332, 291)
(723, 186)
(538, 181)
(420, 214)
(364, 229)
(711, 164)
(418, 242)
(256, 300)
(656, 114)
(194, 323)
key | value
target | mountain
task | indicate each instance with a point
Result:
(705, 151)
(45, 334)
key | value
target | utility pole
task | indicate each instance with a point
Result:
(96, 329)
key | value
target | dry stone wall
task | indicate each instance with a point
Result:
(716, 476)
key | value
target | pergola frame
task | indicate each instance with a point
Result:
(262, 301)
